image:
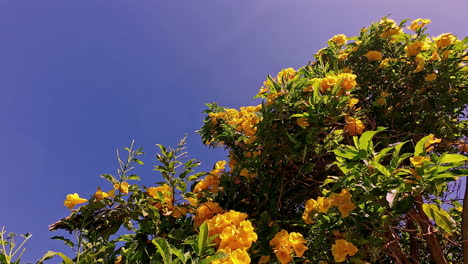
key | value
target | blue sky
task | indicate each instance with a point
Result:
(79, 79)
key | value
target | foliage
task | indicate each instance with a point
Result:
(351, 158)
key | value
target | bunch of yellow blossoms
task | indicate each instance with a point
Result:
(163, 193)
(244, 120)
(285, 243)
(340, 200)
(346, 80)
(343, 248)
(211, 181)
(236, 235)
(390, 28)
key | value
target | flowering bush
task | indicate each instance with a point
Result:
(351, 158)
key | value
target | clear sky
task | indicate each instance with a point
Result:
(79, 79)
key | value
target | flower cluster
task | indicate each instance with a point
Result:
(236, 235)
(211, 181)
(285, 243)
(340, 200)
(74, 199)
(244, 121)
(346, 81)
(163, 194)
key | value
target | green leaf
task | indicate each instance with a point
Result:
(346, 153)
(440, 217)
(216, 256)
(138, 161)
(365, 141)
(109, 177)
(420, 149)
(183, 258)
(164, 249)
(65, 240)
(51, 254)
(382, 169)
(133, 177)
(293, 139)
(451, 158)
(202, 240)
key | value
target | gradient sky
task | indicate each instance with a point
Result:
(79, 79)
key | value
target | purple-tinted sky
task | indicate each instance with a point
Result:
(79, 79)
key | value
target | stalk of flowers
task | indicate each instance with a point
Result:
(244, 121)
(285, 244)
(236, 235)
(342, 201)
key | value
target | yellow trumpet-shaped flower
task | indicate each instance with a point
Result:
(417, 161)
(72, 200)
(339, 39)
(419, 23)
(122, 187)
(430, 77)
(343, 248)
(302, 122)
(99, 194)
(374, 55)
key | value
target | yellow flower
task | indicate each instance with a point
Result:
(414, 48)
(327, 82)
(446, 54)
(343, 248)
(72, 200)
(435, 56)
(122, 187)
(348, 80)
(419, 23)
(99, 194)
(302, 122)
(310, 206)
(338, 39)
(354, 126)
(286, 75)
(420, 64)
(390, 32)
(430, 141)
(206, 211)
(283, 256)
(246, 173)
(374, 55)
(352, 102)
(179, 211)
(417, 161)
(297, 242)
(343, 202)
(444, 40)
(323, 204)
(430, 77)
